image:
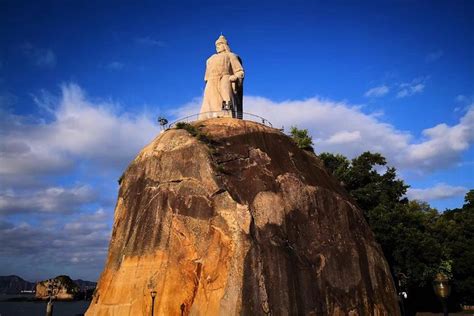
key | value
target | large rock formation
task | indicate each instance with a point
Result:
(61, 287)
(235, 219)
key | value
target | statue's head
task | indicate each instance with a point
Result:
(222, 45)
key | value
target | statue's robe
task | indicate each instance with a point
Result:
(219, 67)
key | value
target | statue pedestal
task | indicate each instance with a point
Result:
(215, 114)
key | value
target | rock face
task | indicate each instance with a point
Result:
(240, 221)
(64, 288)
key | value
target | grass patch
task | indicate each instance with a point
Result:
(194, 131)
(191, 129)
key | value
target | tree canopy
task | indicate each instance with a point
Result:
(302, 138)
(417, 240)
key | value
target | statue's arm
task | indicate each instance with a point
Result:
(237, 69)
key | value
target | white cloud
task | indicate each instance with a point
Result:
(335, 126)
(434, 56)
(438, 192)
(340, 127)
(344, 137)
(80, 129)
(49, 200)
(407, 89)
(88, 223)
(41, 57)
(442, 144)
(377, 91)
(188, 109)
(464, 99)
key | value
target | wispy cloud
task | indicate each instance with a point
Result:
(80, 129)
(115, 65)
(443, 144)
(41, 57)
(461, 98)
(49, 200)
(434, 56)
(440, 191)
(407, 89)
(379, 91)
(151, 42)
(464, 99)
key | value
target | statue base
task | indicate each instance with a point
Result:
(215, 114)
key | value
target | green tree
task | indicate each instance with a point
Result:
(455, 229)
(302, 138)
(362, 178)
(469, 199)
(416, 239)
(338, 165)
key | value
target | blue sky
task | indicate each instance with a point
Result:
(81, 85)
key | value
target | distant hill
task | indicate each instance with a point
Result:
(85, 285)
(13, 284)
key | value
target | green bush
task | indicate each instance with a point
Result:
(193, 130)
(302, 138)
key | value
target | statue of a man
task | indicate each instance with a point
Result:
(224, 81)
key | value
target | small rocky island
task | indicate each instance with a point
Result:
(62, 288)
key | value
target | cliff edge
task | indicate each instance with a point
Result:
(229, 217)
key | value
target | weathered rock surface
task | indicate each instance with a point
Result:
(246, 223)
(64, 288)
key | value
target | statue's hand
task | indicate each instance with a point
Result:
(233, 78)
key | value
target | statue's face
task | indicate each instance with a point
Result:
(220, 47)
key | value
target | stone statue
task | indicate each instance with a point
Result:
(224, 82)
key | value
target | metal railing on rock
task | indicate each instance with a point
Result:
(216, 114)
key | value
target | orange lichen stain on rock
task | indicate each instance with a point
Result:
(193, 276)
(130, 281)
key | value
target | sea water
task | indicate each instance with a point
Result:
(33, 308)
